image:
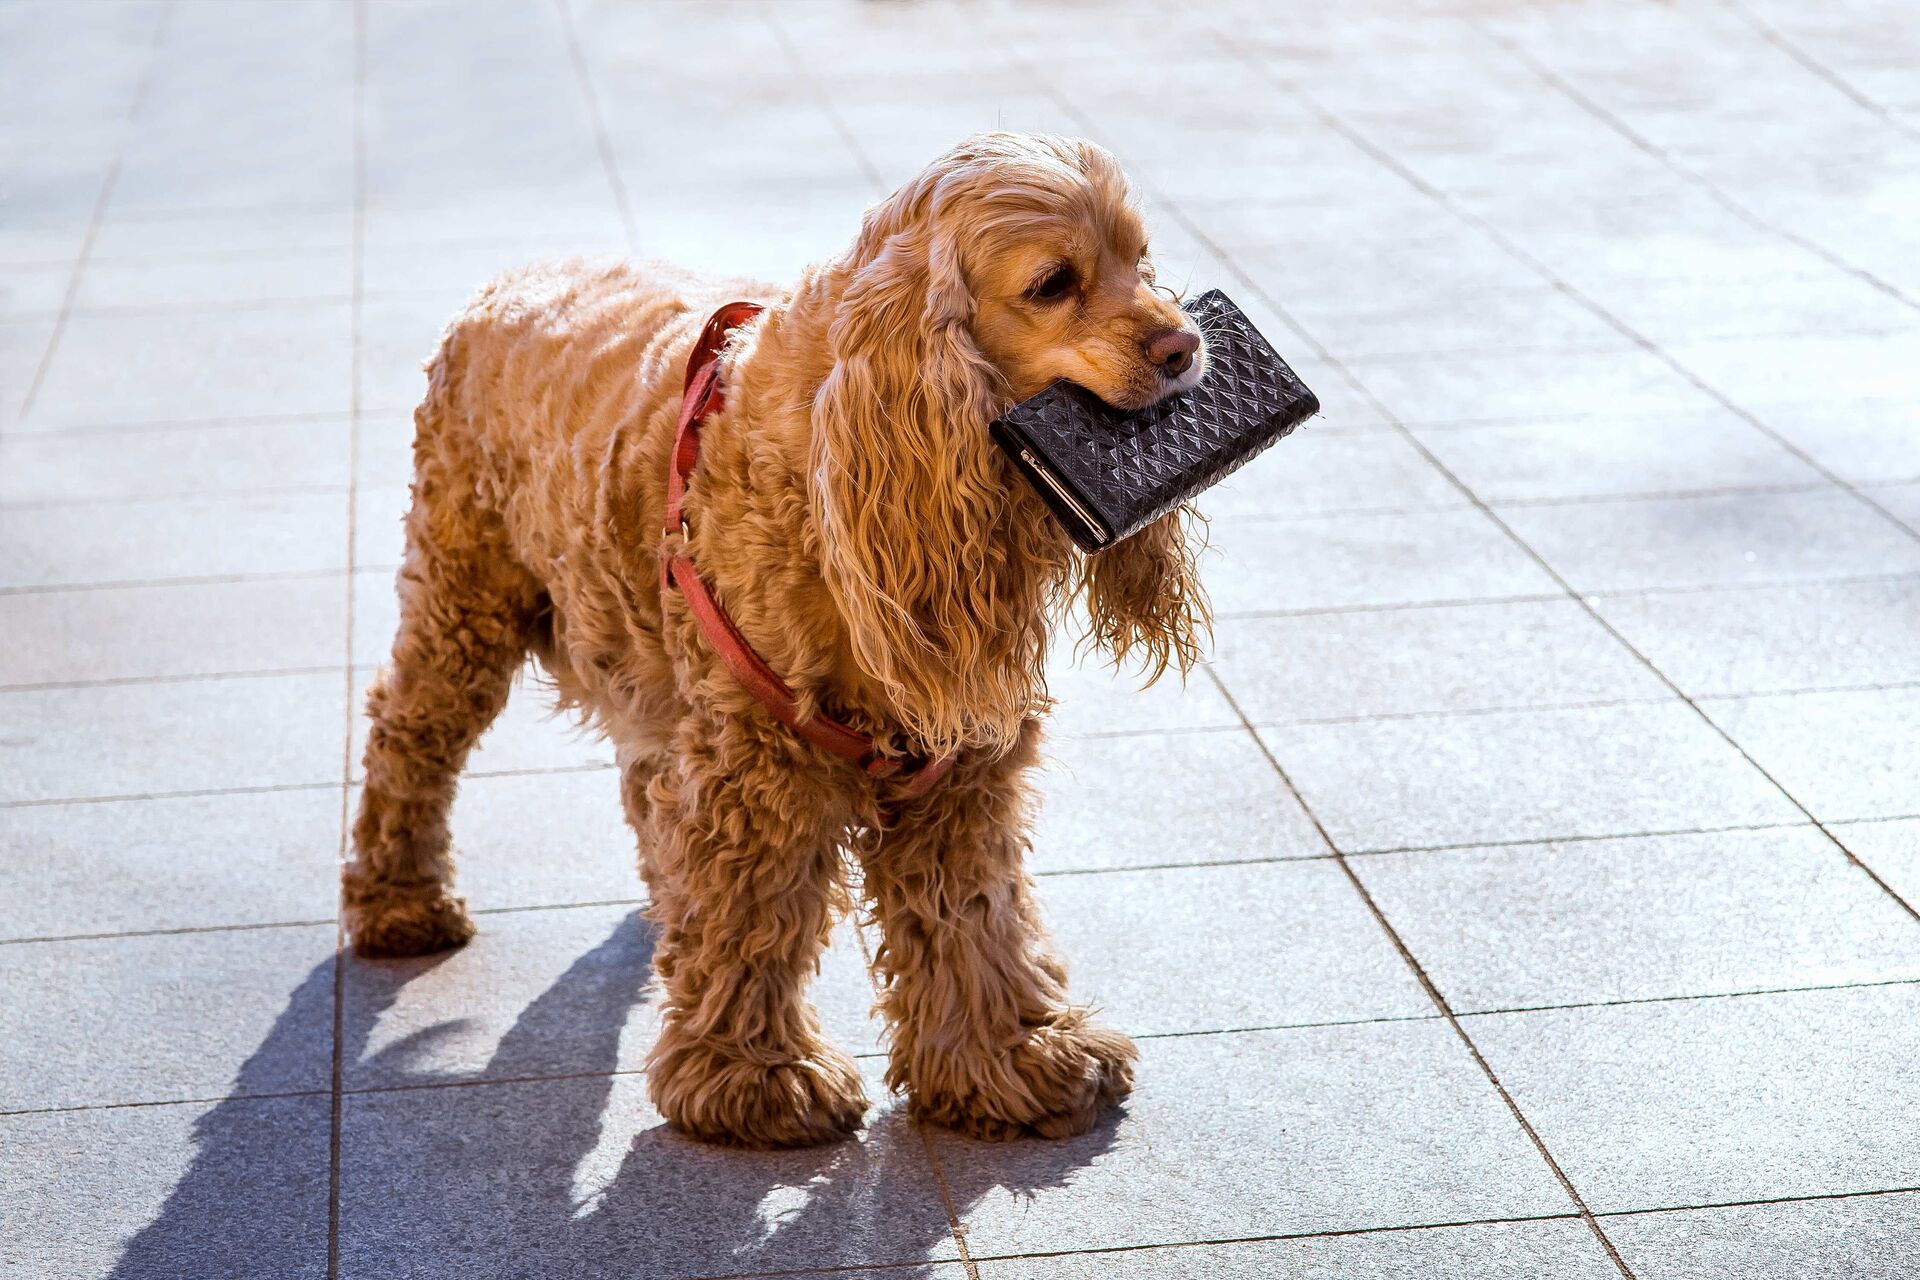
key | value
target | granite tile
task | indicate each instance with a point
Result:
(543, 993)
(1213, 797)
(1805, 366)
(159, 539)
(1332, 562)
(385, 457)
(169, 1018)
(1338, 265)
(1221, 948)
(1843, 755)
(1557, 1250)
(1858, 1238)
(1333, 1129)
(1776, 639)
(1415, 661)
(1903, 501)
(1714, 541)
(186, 863)
(379, 526)
(536, 993)
(1891, 848)
(1317, 472)
(1865, 442)
(1615, 457)
(1523, 776)
(1527, 386)
(546, 839)
(122, 369)
(1760, 304)
(187, 735)
(261, 457)
(226, 1191)
(1095, 697)
(398, 335)
(1642, 919)
(130, 237)
(34, 290)
(1419, 317)
(1711, 1101)
(507, 1180)
(322, 274)
(173, 629)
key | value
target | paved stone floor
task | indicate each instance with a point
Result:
(1525, 890)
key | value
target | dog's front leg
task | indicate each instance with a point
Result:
(740, 847)
(984, 1037)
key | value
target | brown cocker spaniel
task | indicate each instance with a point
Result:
(852, 515)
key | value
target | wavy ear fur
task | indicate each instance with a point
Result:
(1144, 599)
(942, 575)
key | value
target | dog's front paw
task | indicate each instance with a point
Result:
(387, 922)
(709, 1095)
(1054, 1084)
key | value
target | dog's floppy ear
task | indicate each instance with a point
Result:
(1144, 599)
(938, 592)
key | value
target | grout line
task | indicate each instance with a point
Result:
(206, 306)
(117, 682)
(1513, 249)
(954, 1224)
(272, 788)
(853, 1270)
(1778, 39)
(179, 931)
(173, 496)
(1578, 838)
(1433, 992)
(1367, 147)
(521, 909)
(201, 580)
(164, 1102)
(356, 373)
(1250, 519)
(1438, 1000)
(116, 427)
(1607, 593)
(868, 168)
(1453, 847)
(1811, 1197)
(596, 119)
(1667, 160)
(108, 182)
(1867, 985)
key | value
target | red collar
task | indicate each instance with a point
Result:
(703, 398)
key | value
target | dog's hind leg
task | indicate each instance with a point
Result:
(740, 850)
(984, 1038)
(467, 618)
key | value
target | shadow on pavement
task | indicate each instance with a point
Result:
(573, 1176)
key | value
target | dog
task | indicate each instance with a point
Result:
(871, 546)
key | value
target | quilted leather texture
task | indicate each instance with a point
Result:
(1129, 469)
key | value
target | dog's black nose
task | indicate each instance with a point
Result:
(1171, 350)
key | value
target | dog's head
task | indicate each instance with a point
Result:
(1009, 263)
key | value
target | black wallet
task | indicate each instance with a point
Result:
(1106, 472)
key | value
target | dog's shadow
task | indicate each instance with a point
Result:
(572, 1175)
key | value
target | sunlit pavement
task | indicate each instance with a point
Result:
(1526, 889)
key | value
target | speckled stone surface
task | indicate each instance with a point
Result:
(1597, 575)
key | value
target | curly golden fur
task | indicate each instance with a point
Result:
(868, 539)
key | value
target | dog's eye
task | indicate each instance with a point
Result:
(1056, 284)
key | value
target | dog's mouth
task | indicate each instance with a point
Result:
(1152, 385)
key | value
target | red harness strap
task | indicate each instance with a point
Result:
(703, 398)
